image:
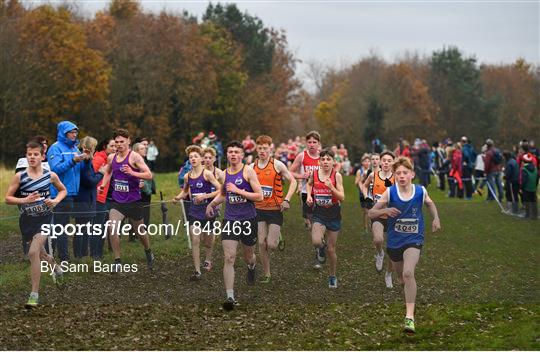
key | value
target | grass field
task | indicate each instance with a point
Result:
(478, 288)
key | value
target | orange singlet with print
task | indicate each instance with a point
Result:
(271, 184)
(380, 186)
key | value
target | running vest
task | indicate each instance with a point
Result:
(407, 227)
(237, 207)
(125, 187)
(198, 186)
(326, 205)
(42, 185)
(309, 165)
(379, 187)
(271, 184)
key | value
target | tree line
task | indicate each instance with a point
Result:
(169, 75)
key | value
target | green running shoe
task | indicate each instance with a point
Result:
(281, 244)
(409, 326)
(31, 303)
(266, 279)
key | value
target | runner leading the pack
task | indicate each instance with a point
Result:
(402, 204)
(270, 173)
(30, 191)
(325, 192)
(303, 167)
(200, 185)
(239, 192)
(382, 178)
(124, 170)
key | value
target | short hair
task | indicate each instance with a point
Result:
(194, 149)
(40, 139)
(313, 134)
(387, 152)
(234, 144)
(89, 143)
(103, 144)
(264, 139)
(402, 161)
(209, 150)
(365, 156)
(35, 144)
(121, 132)
(374, 154)
(327, 152)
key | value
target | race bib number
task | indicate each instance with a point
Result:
(195, 195)
(376, 197)
(121, 186)
(407, 226)
(36, 208)
(267, 191)
(236, 199)
(323, 200)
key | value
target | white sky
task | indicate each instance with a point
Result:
(341, 32)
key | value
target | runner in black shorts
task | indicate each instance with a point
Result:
(270, 173)
(30, 190)
(239, 191)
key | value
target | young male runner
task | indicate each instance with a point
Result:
(239, 191)
(303, 166)
(30, 190)
(402, 204)
(360, 177)
(382, 178)
(325, 192)
(126, 169)
(270, 173)
(200, 185)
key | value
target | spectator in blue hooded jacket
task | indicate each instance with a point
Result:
(65, 160)
(469, 161)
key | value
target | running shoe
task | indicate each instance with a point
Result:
(229, 303)
(379, 259)
(388, 279)
(207, 265)
(281, 244)
(196, 276)
(150, 259)
(409, 326)
(321, 254)
(317, 265)
(332, 282)
(32, 302)
(250, 278)
(58, 278)
(266, 280)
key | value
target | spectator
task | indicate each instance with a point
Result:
(479, 172)
(440, 164)
(511, 185)
(343, 151)
(529, 187)
(65, 160)
(423, 163)
(148, 187)
(249, 148)
(456, 171)
(469, 160)
(104, 149)
(152, 153)
(85, 202)
(346, 166)
(493, 161)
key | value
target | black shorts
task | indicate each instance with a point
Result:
(245, 231)
(383, 222)
(133, 210)
(31, 225)
(270, 217)
(396, 254)
(307, 211)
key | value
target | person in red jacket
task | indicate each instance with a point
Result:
(104, 148)
(456, 172)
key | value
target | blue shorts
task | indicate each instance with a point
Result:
(331, 225)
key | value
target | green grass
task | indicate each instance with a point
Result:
(478, 288)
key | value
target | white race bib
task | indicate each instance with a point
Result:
(121, 186)
(267, 191)
(323, 200)
(236, 199)
(407, 226)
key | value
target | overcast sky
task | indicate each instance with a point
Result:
(341, 32)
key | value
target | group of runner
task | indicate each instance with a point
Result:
(254, 202)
